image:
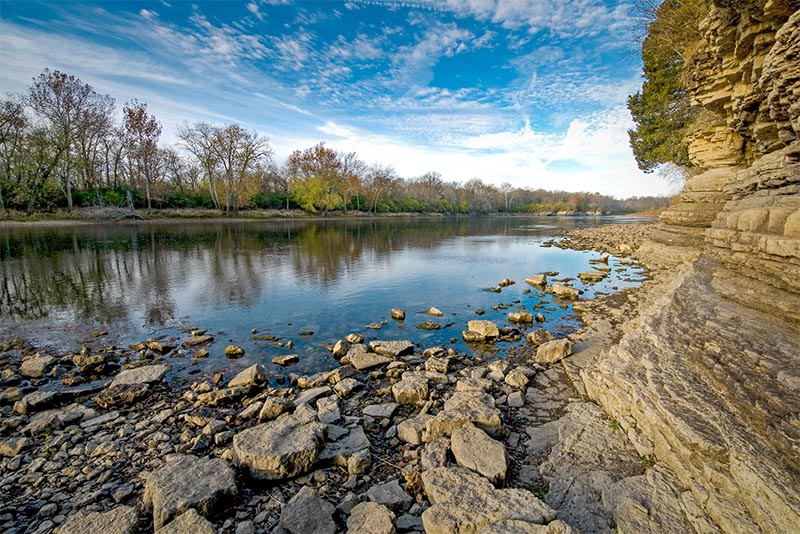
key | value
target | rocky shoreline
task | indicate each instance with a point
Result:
(398, 438)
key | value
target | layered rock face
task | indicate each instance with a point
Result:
(709, 375)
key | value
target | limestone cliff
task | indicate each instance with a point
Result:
(707, 378)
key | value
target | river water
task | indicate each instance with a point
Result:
(246, 280)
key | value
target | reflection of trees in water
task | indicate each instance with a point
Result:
(114, 272)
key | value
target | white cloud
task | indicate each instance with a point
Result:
(147, 14)
(253, 8)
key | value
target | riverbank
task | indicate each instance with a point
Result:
(84, 216)
(404, 428)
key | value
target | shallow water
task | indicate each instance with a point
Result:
(283, 278)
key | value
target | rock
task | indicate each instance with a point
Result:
(475, 450)
(36, 366)
(517, 526)
(205, 484)
(518, 377)
(437, 365)
(553, 351)
(520, 317)
(484, 329)
(592, 277)
(234, 351)
(380, 410)
(435, 312)
(397, 314)
(390, 494)
(340, 373)
(88, 363)
(310, 395)
(536, 280)
(328, 410)
(222, 396)
(308, 513)
(428, 325)
(121, 395)
(409, 522)
(189, 522)
(354, 339)
(465, 407)
(12, 446)
(346, 386)
(410, 391)
(275, 406)
(255, 375)
(392, 348)
(435, 454)
(340, 348)
(370, 518)
(197, 340)
(411, 430)
(161, 347)
(120, 520)
(279, 449)
(463, 501)
(537, 337)
(516, 399)
(147, 374)
(505, 282)
(359, 463)
(286, 359)
(565, 292)
(313, 381)
(363, 360)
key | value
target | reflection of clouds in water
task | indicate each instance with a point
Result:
(329, 276)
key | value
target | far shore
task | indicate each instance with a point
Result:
(95, 216)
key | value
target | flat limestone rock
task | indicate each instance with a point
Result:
(389, 494)
(340, 451)
(553, 351)
(120, 520)
(366, 360)
(141, 375)
(411, 430)
(465, 502)
(184, 482)
(475, 450)
(537, 280)
(36, 366)
(252, 376)
(189, 522)
(565, 292)
(516, 526)
(392, 348)
(371, 518)
(380, 410)
(308, 513)
(465, 407)
(278, 449)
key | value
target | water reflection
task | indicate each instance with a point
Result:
(328, 276)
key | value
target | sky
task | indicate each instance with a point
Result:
(530, 92)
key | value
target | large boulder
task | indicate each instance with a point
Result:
(282, 448)
(308, 513)
(553, 351)
(205, 484)
(475, 450)
(465, 502)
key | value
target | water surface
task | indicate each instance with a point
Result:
(282, 278)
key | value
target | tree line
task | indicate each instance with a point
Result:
(60, 147)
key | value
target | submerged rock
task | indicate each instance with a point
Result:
(234, 351)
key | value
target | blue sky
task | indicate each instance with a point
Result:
(531, 92)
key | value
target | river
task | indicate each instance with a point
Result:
(308, 282)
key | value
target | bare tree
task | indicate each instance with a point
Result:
(142, 132)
